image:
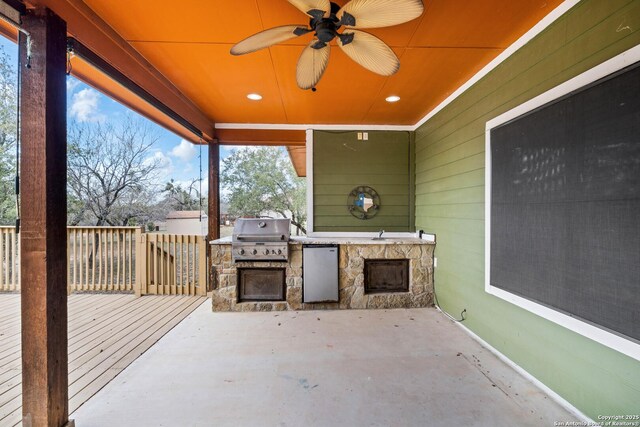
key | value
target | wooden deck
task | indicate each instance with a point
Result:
(106, 334)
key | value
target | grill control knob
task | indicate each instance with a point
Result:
(266, 251)
(241, 251)
(253, 252)
(279, 251)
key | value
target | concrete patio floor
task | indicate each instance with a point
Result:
(322, 368)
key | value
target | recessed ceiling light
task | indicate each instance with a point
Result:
(393, 98)
(254, 97)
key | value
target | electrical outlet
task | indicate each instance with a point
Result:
(435, 262)
(365, 136)
(359, 136)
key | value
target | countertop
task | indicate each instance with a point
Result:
(343, 241)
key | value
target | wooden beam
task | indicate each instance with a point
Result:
(12, 10)
(262, 137)
(43, 235)
(8, 30)
(298, 156)
(214, 191)
(214, 206)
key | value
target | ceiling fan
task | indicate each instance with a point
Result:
(326, 19)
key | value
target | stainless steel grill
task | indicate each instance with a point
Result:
(261, 239)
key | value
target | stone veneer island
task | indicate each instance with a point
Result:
(352, 255)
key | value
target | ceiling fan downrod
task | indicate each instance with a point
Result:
(326, 29)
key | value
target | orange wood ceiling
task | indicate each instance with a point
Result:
(189, 41)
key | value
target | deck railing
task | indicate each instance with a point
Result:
(9, 260)
(119, 259)
(175, 264)
(102, 258)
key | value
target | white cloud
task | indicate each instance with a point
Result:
(164, 165)
(187, 182)
(84, 106)
(72, 84)
(185, 151)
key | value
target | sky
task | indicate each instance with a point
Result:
(179, 159)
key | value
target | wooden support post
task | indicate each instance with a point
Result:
(141, 262)
(69, 281)
(202, 244)
(214, 203)
(43, 163)
(214, 191)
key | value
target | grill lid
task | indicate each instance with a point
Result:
(261, 230)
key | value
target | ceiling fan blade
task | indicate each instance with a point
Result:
(312, 64)
(379, 13)
(313, 7)
(268, 38)
(369, 51)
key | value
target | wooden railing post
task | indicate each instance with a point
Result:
(4, 267)
(70, 255)
(202, 266)
(141, 262)
(9, 259)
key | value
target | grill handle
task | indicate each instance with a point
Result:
(259, 237)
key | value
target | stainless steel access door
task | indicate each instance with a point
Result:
(320, 273)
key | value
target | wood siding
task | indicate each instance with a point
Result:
(450, 202)
(341, 163)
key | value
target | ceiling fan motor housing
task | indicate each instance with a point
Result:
(326, 28)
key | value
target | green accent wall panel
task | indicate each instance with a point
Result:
(341, 162)
(449, 201)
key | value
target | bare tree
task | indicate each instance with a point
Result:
(187, 197)
(112, 173)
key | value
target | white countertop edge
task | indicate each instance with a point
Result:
(295, 240)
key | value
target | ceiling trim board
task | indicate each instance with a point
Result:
(232, 143)
(271, 126)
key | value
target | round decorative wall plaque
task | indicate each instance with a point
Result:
(363, 202)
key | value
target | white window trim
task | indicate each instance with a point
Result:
(309, 182)
(602, 336)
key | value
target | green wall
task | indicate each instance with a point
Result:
(450, 203)
(342, 162)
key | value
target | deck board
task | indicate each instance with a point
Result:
(106, 334)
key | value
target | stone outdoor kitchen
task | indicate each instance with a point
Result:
(355, 255)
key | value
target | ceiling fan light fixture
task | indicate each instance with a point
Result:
(392, 98)
(254, 96)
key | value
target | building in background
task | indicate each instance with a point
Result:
(187, 222)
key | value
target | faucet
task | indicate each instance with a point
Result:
(380, 234)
